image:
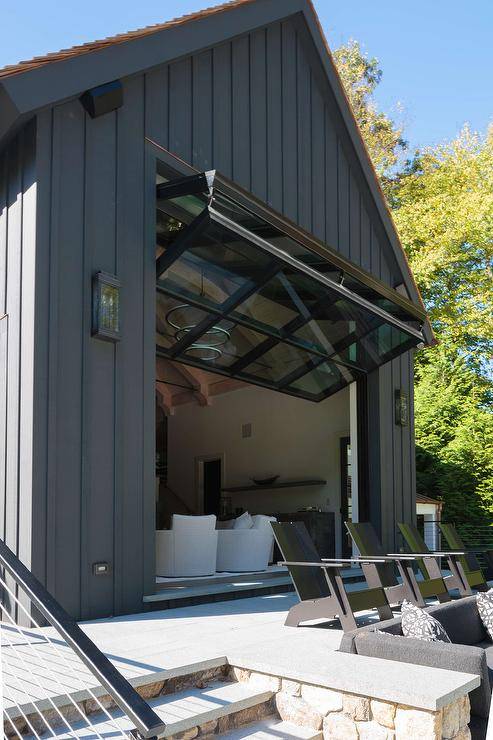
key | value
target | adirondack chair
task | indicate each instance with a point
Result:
(319, 583)
(366, 540)
(470, 564)
(429, 565)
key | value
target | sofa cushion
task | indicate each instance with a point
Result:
(420, 624)
(461, 620)
(244, 521)
(484, 601)
(462, 658)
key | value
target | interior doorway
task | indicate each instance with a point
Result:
(210, 480)
(212, 486)
(346, 495)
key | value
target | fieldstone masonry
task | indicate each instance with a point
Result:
(344, 716)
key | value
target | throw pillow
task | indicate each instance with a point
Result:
(244, 521)
(262, 521)
(484, 600)
(421, 625)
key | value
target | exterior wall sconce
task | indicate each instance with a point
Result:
(401, 408)
(106, 307)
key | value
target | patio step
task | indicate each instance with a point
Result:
(273, 729)
(221, 704)
(254, 584)
(274, 571)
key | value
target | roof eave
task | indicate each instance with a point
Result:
(28, 91)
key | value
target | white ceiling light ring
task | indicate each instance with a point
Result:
(203, 352)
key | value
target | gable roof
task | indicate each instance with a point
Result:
(90, 46)
(48, 80)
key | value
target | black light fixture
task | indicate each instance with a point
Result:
(401, 400)
(106, 307)
(103, 99)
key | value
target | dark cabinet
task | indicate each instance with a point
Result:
(321, 527)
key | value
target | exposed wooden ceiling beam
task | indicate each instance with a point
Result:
(165, 400)
(198, 381)
(225, 386)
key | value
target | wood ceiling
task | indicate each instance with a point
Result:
(178, 384)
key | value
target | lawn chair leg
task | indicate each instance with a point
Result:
(344, 611)
(459, 578)
(409, 579)
(324, 608)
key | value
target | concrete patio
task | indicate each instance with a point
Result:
(221, 661)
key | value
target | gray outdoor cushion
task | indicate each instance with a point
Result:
(347, 644)
(461, 620)
(488, 649)
(462, 658)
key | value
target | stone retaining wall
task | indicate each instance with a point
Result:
(344, 716)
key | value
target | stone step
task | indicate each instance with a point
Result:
(191, 592)
(274, 571)
(273, 729)
(218, 707)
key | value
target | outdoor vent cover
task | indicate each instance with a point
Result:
(103, 99)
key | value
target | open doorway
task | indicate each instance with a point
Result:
(209, 477)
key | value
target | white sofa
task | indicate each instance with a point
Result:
(247, 547)
(189, 548)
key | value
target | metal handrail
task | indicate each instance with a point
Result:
(147, 723)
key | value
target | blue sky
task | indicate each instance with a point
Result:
(437, 57)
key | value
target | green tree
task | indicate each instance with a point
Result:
(361, 76)
(443, 209)
(442, 203)
(454, 434)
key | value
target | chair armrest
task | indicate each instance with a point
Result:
(437, 553)
(342, 563)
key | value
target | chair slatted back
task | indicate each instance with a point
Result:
(366, 540)
(415, 543)
(469, 562)
(296, 544)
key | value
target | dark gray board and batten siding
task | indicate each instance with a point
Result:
(17, 328)
(258, 109)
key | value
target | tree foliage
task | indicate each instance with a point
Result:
(454, 434)
(443, 209)
(442, 203)
(361, 76)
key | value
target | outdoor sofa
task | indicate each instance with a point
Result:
(470, 650)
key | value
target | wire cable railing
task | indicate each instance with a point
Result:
(53, 674)
(477, 537)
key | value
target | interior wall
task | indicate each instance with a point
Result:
(292, 437)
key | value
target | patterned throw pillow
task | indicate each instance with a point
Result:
(418, 623)
(484, 600)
